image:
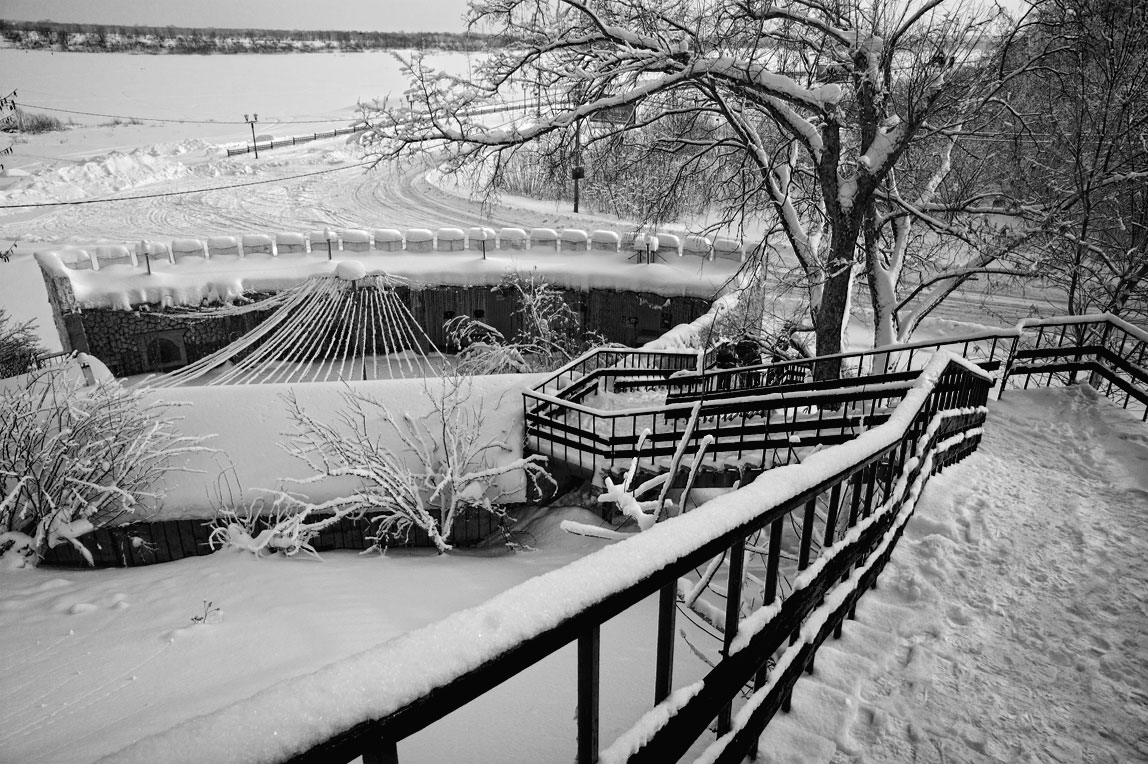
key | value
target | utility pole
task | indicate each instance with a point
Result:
(252, 121)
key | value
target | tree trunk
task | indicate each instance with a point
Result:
(833, 312)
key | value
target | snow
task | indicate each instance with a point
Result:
(247, 422)
(1007, 624)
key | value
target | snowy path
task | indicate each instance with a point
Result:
(1012, 624)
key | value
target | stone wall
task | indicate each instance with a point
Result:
(150, 339)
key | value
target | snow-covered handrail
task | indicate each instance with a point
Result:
(1091, 318)
(393, 690)
(1108, 352)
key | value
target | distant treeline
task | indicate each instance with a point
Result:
(118, 38)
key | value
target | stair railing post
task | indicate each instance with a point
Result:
(589, 653)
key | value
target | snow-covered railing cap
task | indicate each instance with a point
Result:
(605, 241)
(697, 246)
(574, 235)
(155, 251)
(668, 244)
(58, 262)
(513, 238)
(114, 254)
(543, 238)
(574, 240)
(223, 246)
(450, 240)
(419, 240)
(480, 237)
(188, 248)
(288, 243)
(729, 249)
(1091, 318)
(256, 244)
(355, 240)
(388, 240)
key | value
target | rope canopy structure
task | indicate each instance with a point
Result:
(343, 326)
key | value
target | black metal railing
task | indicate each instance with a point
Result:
(750, 410)
(989, 349)
(1110, 354)
(844, 523)
(759, 431)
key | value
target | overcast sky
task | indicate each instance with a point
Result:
(365, 15)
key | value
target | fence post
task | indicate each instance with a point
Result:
(387, 752)
(589, 649)
(667, 633)
(732, 616)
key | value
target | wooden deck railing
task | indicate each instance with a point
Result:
(845, 519)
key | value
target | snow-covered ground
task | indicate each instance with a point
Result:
(1010, 626)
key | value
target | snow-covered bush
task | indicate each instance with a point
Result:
(550, 332)
(278, 523)
(75, 458)
(19, 346)
(443, 467)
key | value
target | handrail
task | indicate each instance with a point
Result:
(568, 429)
(847, 504)
(867, 490)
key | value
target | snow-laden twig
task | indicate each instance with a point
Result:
(441, 468)
(76, 458)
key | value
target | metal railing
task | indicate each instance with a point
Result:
(1110, 354)
(751, 410)
(845, 522)
(818, 535)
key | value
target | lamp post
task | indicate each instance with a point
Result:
(147, 255)
(252, 121)
(329, 235)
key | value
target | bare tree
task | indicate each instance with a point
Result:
(1077, 154)
(797, 111)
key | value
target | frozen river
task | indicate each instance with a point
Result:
(211, 88)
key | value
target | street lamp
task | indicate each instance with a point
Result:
(254, 118)
(329, 235)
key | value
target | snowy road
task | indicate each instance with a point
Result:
(1012, 625)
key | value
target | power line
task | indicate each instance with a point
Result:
(182, 193)
(179, 121)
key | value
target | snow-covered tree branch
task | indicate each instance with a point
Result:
(814, 119)
(74, 458)
(410, 473)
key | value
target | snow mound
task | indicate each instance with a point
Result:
(110, 174)
(350, 270)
